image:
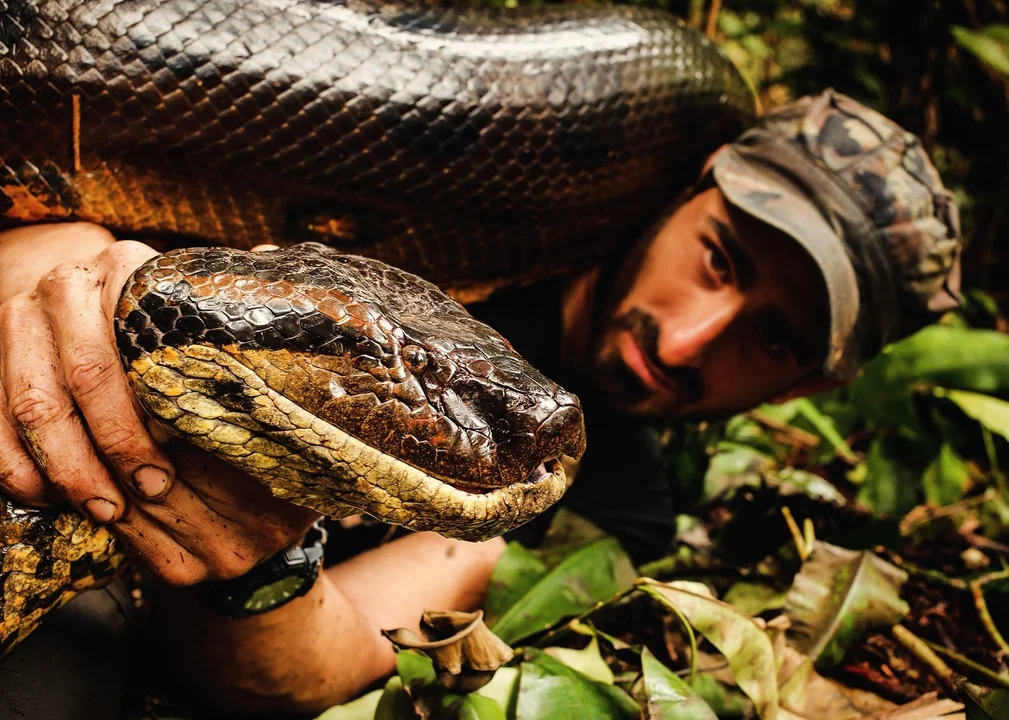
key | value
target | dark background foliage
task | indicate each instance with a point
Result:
(902, 57)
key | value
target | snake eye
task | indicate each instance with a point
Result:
(415, 358)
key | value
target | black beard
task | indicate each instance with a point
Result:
(622, 387)
(617, 383)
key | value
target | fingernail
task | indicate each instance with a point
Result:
(152, 482)
(101, 511)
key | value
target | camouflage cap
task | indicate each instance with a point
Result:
(861, 196)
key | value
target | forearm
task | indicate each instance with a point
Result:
(324, 648)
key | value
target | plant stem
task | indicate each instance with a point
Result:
(712, 25)
(793, 527)
(917, 647)
(969, 664)
(982, 608)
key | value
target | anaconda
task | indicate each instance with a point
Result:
(472, 147)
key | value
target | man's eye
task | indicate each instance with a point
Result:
(718, 261)
(775, 337)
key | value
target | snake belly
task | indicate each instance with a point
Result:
(474, 148)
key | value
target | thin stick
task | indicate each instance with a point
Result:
(969, 664)
(924, 653)
(982, 608)
(712, 26)
(76, 131)
(795, 435)
(800, 542)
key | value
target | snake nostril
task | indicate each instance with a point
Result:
(415, 358)
(563, 433)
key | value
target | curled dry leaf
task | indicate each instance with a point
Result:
(837, 596)
(464, 651)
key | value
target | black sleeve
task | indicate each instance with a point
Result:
(621, 487)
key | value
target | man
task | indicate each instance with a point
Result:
(820, 235)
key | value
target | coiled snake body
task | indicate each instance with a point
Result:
(474, 148)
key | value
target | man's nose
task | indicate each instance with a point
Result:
(685, 340)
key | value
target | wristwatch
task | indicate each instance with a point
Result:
(287, 575)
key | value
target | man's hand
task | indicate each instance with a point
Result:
(72, 431)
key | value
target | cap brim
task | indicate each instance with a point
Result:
(765, 193)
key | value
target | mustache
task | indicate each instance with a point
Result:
(645, 331)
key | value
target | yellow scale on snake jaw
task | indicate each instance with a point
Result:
(169, 382)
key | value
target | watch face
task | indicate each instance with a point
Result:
(276, 593)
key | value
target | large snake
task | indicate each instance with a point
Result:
(474, 148)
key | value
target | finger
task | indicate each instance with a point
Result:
(265, 248)
(20, 478)
(41, 409)
(82, 331)
(149, 543)
(223, 517)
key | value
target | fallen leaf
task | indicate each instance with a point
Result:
(838, 595)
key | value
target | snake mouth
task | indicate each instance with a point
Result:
(306, 460)
(543, 472)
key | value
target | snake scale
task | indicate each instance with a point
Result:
(376, 142)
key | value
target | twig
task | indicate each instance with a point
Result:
(712, 25)
(933, 575)
(969, 664)
(983, 542)
(76, 131)
(923, 513)
(982, 608)
(917, 647)
(800, 542)
(795, 435)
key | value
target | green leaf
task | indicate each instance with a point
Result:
(667, 696)
(754, 598)
(976, 360)
(724, 700)
(549, 689)
(567, 533)
(946, 478)
(892, 477)
(395, 703)
(415, 669)
(825, 427)
(989, 47)
(592, 574)
(984, 702)
(837, 596)
(503, 689)
(588, 661)
(734, 466)
(991, 412)
(516, 572)
(476, 707)
(791, 481)
(736, 635)
(731, 24)
(361, 709)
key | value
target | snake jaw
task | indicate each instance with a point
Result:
(316, 373)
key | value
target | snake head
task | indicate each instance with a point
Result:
(340, 381)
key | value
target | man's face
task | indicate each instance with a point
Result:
(723, 313)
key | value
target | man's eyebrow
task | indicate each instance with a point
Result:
(742, 263)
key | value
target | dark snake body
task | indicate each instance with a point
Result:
(474, 148)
